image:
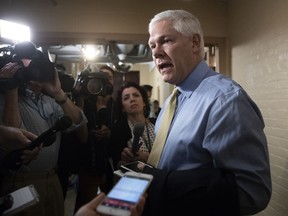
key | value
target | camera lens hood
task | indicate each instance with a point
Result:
(24, 50)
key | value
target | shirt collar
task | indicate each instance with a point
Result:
(29, 93)
(192, 81)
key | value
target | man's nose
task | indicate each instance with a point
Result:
(157, 52)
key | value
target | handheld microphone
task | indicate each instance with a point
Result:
(13, 160)
(63, 123)
(138, 131)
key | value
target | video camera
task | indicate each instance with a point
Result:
(94, 83)
(40, 68)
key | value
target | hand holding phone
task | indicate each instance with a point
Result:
(125, 194)
(90, 207)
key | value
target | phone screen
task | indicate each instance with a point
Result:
(130, 167)
(125, 194)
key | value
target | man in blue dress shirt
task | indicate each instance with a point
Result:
(215, 159)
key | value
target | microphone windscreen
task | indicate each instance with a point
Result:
(138, 129)
(63, 123)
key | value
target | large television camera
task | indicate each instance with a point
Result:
(39, 69)
(94, 83)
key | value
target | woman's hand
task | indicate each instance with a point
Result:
(127, 156)
(141, 156)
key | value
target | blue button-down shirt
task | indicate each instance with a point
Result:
(39, 113)
(216, 124)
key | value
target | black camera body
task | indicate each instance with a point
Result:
(94, 83)
(39, 69)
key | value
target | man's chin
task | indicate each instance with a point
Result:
(167, 79)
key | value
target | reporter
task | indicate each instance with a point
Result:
(131, 107)
(35, 105)
(89, 209)
(94, 167)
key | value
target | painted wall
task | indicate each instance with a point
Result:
(109, 18)
(259, 55)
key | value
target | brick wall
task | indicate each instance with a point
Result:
(259, 50)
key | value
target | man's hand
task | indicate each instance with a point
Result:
(53, 88)
(28, 155)
(9, 70)
(15, 138)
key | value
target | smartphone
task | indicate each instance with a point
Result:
(133, 166)
(21, 199)
(125, 194)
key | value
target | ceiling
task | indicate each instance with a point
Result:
(117, 55)
(120, 43)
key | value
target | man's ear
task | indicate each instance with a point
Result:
(196, 40)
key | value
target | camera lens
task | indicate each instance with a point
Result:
(95, 86)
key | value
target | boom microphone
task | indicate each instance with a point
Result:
(138, 131)
(13, 160)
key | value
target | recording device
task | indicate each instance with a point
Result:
(40, 68)
(19, 200)
(94, 83)
(13, 160)
(137, 131)
(132, 167)
(67, 82)
(6, 202)
(125, 194)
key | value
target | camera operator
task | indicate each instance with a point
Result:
(36, 108)
(95, 170)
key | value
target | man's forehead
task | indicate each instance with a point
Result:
(161, 32)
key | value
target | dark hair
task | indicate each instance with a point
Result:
(107, 68)
(147, 87)
(118, 101)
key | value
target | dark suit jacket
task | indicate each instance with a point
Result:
(197, 192)
(120, 134)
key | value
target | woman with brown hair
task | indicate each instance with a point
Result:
(131, 107)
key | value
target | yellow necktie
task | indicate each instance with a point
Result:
(163, 129)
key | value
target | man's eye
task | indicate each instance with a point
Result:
(166, 41)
